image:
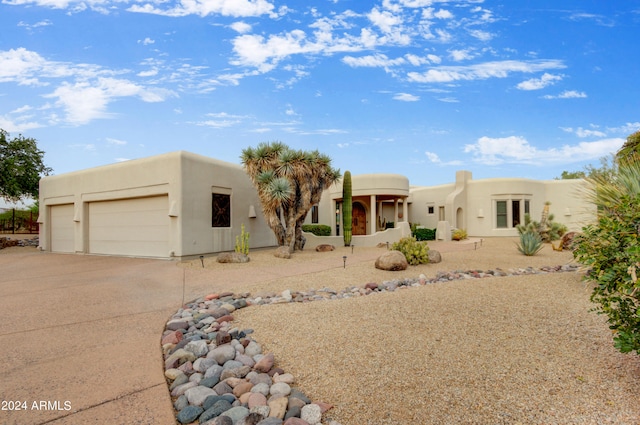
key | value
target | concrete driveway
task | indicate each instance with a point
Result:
(79, 338)
(80, 335)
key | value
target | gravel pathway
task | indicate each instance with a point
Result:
(497, 350)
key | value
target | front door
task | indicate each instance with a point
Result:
(359, 220)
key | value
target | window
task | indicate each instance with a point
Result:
(220, 210)
(431, 210)
(515, 213)
(501, 214)
(314, 214)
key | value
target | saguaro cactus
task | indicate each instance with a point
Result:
(347, 208)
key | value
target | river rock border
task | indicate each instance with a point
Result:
(218, 375)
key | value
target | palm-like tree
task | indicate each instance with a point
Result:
(289, 183)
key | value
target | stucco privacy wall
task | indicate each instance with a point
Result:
(180, 182)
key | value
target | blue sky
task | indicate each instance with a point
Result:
(417, 87)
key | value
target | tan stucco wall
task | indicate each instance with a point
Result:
(478, 198)
(187, 179)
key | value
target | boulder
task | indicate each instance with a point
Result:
(434, 256)
(325, 248)
(282, 252)
(392, 261)
(232, 257)
(567, 240)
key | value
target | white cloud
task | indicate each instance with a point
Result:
(435, 159)
(40, 24)
(482, 71)
(460, 55)
(384, 20)
(372, 61)
(147, 41)
(406, 97)
(241, 27)
(443, 14)
(481, 35)
(582, 132)
(233, 8)
(567, 94)
(539, 83)
(627, 129)
(85, 101)
(432, 157)
(517, 150)
(115, 142)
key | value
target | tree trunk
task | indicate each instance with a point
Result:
(300, 239)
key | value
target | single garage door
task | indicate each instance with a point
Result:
(62, 232)
(137, 227)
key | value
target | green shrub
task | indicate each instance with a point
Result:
(548, 229)
(415, 252)
(530, 243)
(425, 234)
(459, 234)
(317, 229)
(611, 248)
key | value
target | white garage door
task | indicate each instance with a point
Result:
(137, 227)
(62, 232)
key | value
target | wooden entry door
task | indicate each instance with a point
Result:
(359, 220)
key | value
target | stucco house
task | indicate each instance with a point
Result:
(181, 205)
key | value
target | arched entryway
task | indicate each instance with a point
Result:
(359, 219)
(459, 219)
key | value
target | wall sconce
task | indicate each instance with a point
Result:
(567, 212)
(252, 211)
(480, 213)
(76, 215)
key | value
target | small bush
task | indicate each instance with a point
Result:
(317, 229)
(415, 252)
(530, 243)
(425, 234)
(459, 234)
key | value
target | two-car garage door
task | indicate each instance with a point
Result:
(137, 227)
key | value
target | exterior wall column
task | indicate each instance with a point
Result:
(395, 211)
(373, 218)
(405, 209)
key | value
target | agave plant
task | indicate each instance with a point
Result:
(530, 243)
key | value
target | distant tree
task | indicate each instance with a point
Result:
(21, 167)
(608, 167)
(289, 183)
(631, 146)
(568, 175)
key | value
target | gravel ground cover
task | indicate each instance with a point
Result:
(521, 349)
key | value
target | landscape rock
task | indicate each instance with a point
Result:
(232, 257)
(434, 256)
(392, 261)
(325, 248)
(282, 252)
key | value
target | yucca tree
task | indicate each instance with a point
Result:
(611, 248)
(289, 183)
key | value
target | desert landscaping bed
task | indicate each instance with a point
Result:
(501, 350)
